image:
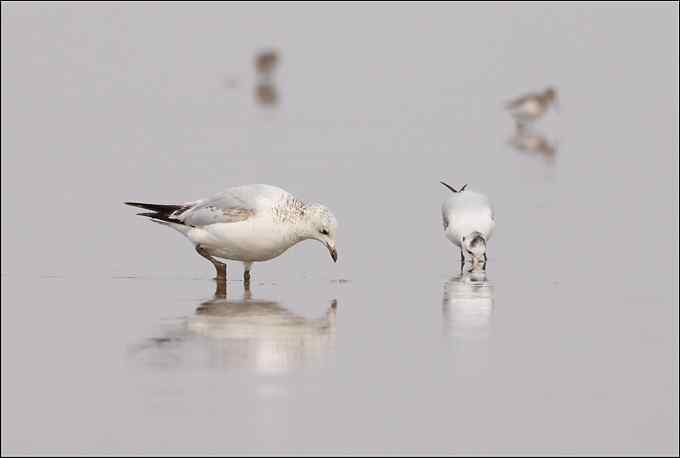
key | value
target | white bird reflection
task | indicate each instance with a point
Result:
(467, 305)
(258, 335)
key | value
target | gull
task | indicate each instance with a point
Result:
(468, 223)
(251, 223)
(530, 107)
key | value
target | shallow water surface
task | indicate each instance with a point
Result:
(114, 338)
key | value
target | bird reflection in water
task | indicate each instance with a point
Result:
(467, 305)
(527, 141)
(266, 93)
(260, 335)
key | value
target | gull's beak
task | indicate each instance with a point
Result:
(333, 252)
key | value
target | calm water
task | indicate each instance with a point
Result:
(113, 339)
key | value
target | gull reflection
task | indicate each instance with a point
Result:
(255, 334)
(527, 141)
(467, 306)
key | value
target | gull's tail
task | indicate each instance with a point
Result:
(160, 212)
(454, 189)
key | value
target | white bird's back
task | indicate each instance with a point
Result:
(466, 212)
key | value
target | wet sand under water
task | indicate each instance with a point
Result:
(457, 364)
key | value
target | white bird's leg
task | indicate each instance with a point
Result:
(246, 275)
(485, 261)
(462, 260)
(220, 267)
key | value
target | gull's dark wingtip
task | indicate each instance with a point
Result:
(159, 208)
(158, 212)
(136, 204)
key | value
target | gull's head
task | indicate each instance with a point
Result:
(475, 244)
(320, 224)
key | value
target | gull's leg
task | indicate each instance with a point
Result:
(485, 261)
(220, 290)
(220, 267)
(246, 275)
(462, 260)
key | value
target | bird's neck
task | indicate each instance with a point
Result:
(289, 210)
(292, 217)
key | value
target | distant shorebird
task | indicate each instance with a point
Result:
(250, 224)
(468, 223)
(530, 107)
(266, 62)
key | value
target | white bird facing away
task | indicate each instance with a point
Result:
(468, 223)
(251, 223)
(529, 107)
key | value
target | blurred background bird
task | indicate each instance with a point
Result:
(530, 107)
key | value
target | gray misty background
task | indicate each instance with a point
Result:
(112, 342)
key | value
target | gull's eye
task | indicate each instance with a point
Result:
(324, 231)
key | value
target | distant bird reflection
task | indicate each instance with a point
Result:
(467, 305)
(527, 141)
(266, 94)
(259, 335)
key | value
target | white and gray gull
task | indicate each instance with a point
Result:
(251, 223)
(468, 223)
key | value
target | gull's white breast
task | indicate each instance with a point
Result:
(252, 240)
